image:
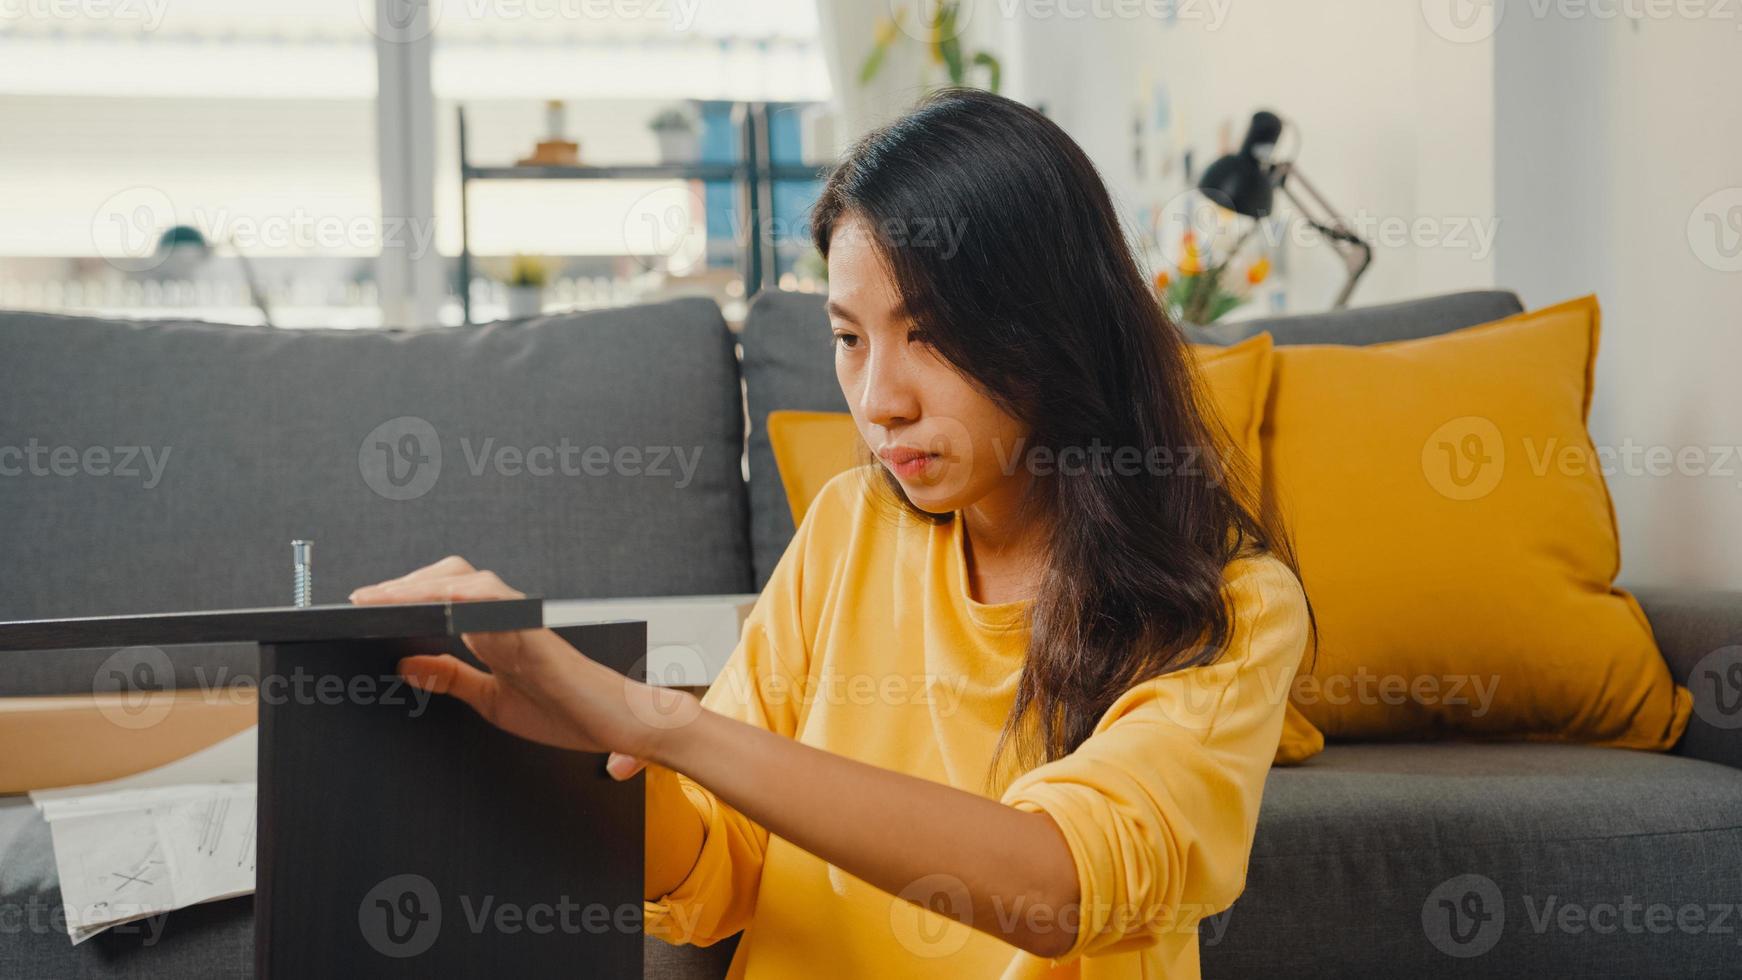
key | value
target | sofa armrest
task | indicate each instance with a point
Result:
(1700, 634)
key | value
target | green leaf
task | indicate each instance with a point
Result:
(1222, 304)
(994, 71)
(951, 50)
(873, 63)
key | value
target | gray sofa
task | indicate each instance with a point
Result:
(392, 449)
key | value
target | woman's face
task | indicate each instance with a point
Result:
(949, 445)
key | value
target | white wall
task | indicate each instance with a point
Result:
(1387, 115)
(1614, 135)
(1589, 145)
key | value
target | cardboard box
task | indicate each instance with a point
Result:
(87, 738)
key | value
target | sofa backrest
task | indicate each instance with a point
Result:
(1407, 320)
(788, 365)
(164, 466)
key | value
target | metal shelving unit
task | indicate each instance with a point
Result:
(753, 175)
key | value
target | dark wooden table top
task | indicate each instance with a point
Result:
(280, 625)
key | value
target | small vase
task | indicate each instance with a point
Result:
(678, 145)
(525, 301)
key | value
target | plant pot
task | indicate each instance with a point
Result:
(525, 300)
(678, 145)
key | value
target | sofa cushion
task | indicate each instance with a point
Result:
(167, 465)
(1577, 854)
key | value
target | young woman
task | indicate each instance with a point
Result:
(1006, 706)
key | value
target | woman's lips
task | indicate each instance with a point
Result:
(905, 462)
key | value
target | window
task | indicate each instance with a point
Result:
(619, 239)
(186, 158)
(247, 126)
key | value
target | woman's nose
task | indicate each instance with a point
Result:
(889, 397)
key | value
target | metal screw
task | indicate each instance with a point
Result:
(302, 560)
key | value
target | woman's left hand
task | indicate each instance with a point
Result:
(538, 686)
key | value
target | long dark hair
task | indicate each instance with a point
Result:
(1035, 298)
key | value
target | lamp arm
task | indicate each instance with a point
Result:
(1356, 253)
(1215, 271)
(255, 293)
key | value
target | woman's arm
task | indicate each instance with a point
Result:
(1008, 872)
(1005, 871)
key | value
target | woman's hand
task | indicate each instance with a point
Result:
(538, 686)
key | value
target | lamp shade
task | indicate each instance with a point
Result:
(1239, 183)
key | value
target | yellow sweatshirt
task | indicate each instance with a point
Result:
(866, 643)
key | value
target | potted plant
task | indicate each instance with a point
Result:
(943, 43)
(1202, 289)
(527, 277)
(675, 129)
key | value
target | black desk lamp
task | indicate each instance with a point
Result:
(184, 247)
(1245, 183)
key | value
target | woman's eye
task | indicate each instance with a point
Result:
(846, 340)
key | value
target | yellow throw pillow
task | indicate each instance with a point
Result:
(810, 448)
(1237, 379)
(1457, 539)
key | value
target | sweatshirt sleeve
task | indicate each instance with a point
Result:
(762, 684)
(1159, 805)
